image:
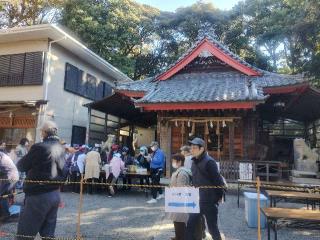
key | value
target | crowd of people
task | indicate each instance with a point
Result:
(54, 160)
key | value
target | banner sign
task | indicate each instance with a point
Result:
(182, 200)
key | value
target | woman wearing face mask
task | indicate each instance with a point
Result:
(142, 162)
(180, 178)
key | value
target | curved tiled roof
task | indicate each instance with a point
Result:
(209, 87)
(144, 85)
(214, 86)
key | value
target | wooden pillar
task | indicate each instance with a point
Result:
(314, 135)
(231, 141)
(88, 127)
(164, 131)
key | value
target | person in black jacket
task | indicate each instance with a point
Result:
(44, 162)
(205, 173)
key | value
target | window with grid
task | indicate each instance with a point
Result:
(85, 85)
(21, 69)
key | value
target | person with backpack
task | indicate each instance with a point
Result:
(44, 162)
(205, 173)
(77, 168)
(180, 178)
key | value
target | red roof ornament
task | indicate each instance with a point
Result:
(207, 47)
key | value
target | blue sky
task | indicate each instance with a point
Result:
(171, 5)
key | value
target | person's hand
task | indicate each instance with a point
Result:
(148, 158)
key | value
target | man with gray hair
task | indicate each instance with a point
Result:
(44, 162)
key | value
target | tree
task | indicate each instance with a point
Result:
(119, 31)
(28, 12)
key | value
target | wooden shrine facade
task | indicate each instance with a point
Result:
(211, 93)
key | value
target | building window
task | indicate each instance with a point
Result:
(21, 69)
(78, 135)
(89, 86)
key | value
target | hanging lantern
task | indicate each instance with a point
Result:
(189, 123)
(211, 124)
(183, 130)
(193, 129)
(206, 129)
(224, 124)
(218, 128)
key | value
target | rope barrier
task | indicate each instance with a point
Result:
(104, 184)
(6, 234)
(313, 188)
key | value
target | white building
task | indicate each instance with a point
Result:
(46, 73)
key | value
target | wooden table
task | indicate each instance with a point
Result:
(277, 217)
(145, 176)
(276, 186)
(308, 198)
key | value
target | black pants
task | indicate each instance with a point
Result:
(127, 180)
(91, 187)
(155, 178)
(144, 181)
(112, 180)
(39, 215)
(180, 230)
(210, 211)
(75, 177)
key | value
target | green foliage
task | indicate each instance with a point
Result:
(28, 12)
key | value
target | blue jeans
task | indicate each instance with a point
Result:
(210, 211)
(39, 215)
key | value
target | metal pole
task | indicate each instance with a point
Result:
(258, 205)
(79, 209)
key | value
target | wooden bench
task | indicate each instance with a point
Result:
(276, 186)
(277, 217)
(308, 198)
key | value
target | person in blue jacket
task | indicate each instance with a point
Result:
(157, 164)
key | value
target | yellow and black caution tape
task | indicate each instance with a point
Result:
(263, 185)
(103, 184)
(6, 234)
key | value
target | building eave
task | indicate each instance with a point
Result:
(198, 106)
(130, 93)
(286, 89)
(55, 32)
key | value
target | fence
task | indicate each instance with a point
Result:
(78, 224)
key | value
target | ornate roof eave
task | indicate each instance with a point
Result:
(215, 48)
(224, 105)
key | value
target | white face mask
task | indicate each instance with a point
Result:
(175, 165)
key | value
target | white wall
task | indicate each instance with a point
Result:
(67, 108)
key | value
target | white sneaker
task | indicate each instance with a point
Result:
(160, 196)
(152, 201)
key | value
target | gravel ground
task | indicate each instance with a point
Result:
(127, 216)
